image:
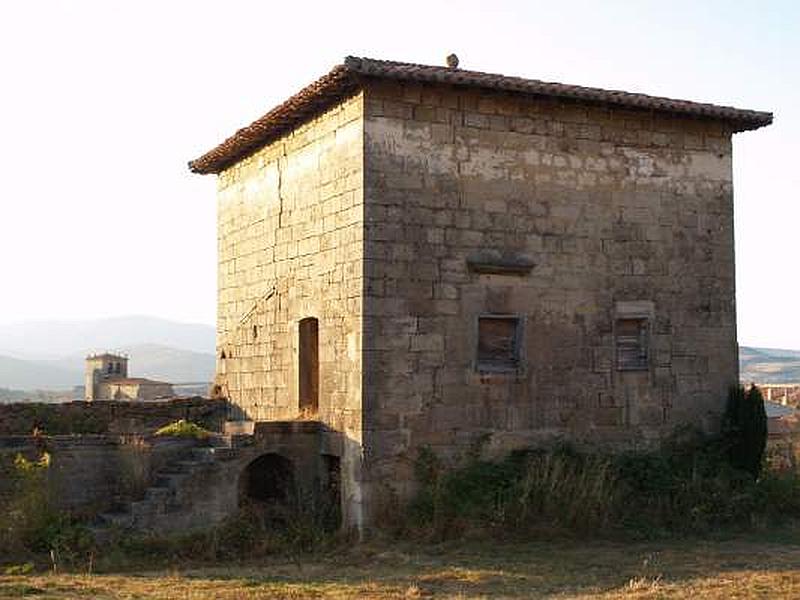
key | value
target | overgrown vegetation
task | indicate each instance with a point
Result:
(29, 524)
(134, 465)
(185, 429)
(32, 532)
(694, 484)
(246, 535)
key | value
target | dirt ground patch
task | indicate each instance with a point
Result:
(700, 569)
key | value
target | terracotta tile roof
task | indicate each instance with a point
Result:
(347, 78)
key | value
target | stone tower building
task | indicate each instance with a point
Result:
(422, 256)
(106, 378)
(101, 367)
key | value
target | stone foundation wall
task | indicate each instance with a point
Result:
(612, 212)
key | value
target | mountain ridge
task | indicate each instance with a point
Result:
(54, 339)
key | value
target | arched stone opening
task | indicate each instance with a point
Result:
(268, 484)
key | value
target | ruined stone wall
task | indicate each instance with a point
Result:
(614, 212)
(110, 416)
(290, 248)
(91, 473)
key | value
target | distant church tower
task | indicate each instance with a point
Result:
(102, 367)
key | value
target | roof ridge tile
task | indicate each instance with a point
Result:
(345, 79)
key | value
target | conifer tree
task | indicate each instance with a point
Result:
(746, 429)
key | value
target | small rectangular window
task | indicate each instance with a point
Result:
(498, 343)
(632, 345)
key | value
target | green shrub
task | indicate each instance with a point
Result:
(185, 429)
(28, 510)
(30, 524)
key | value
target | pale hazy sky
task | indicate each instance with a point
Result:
(102, 103)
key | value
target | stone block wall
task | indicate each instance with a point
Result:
(291, 248)
(612, 210)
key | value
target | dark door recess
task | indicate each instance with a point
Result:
(309, 365)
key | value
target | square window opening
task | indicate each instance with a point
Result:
(632, 345)
(499, 341)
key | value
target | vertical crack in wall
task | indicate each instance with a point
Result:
(282, 157)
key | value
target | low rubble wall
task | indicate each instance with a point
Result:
(109, 416)
(92, 473)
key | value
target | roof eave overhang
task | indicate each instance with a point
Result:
(347, 79)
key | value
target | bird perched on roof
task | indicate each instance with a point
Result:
(452, 61)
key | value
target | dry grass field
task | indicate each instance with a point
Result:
(699, 569)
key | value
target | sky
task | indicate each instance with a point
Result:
(103, 103)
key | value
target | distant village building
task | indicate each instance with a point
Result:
(787, 394)
(430, 257)
(107, 379)
(783, 439)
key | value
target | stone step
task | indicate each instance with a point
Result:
(123, 520)
(203, 454)
(225, 453)
(181, 466)
(239, 427)
(168, 491)
(220, 441)
(145, 508)
(169, 479)
(190, 465)
(241, 441)
(158, 493)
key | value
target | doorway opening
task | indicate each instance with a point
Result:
(332, 492)
(309, 366)
(267, 485)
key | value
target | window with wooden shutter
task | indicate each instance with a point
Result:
(632, 345)
(498, 343)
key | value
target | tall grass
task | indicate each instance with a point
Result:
(567, 490)
(688, 487)
(134, 465)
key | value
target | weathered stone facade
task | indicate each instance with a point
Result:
(485, 267)
(291, 237)
(616, 210)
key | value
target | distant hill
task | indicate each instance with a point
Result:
(769, 365)
(17, 374)
(50, 355)
(153, 361)
(42, 340)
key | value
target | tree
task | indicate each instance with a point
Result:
(745, 429)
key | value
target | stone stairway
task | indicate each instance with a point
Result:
(167, 503)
